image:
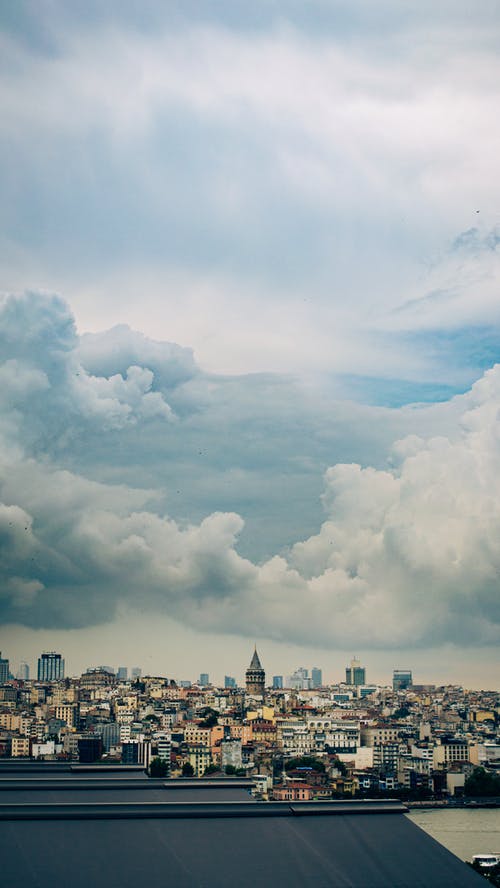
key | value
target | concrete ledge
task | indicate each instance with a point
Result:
(191, 810)
(36, 783)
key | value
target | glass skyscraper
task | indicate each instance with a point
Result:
(355, 674)
(50, 666)
(402, 679)
(4, 669)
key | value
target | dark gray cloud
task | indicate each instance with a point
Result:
(129, 487)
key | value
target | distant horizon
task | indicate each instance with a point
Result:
(331, 676)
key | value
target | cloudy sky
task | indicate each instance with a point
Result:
(248, 335)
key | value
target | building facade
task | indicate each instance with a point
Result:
(355, 673)
(50, 666)
(4, 669)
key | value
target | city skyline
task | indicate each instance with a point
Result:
(333, 675)
(249, 336)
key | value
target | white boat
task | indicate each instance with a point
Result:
(485, 862)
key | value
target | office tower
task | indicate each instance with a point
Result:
(355, 674)
(277, 682)
(23, 673)
(122, 674)
(89, 749)
(229, 681)
(204, 679)
(4, 669)
(401, 679)
(299, 680)
(110, 734)
(255, 677)
(50, 666)
(317, 677)
(136, 752)
(136, 672)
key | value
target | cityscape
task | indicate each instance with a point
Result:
(249, 444)
(296, 737)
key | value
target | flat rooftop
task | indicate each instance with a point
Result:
(119, 829)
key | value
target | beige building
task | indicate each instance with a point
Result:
(67, 713)
(377, 734)
(20, 747)
(199, 757)
(450, 751)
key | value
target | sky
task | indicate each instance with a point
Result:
(249, 333)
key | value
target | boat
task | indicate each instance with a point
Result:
(486, 862)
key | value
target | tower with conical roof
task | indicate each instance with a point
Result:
(255, 677)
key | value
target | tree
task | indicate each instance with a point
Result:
(340, 766)
(482, 783)
(209, 718)
(187, 769)
(230, 769)
(158, 768)
(305, 761)
(211, 769)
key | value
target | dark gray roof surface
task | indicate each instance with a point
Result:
(346, 851)
(118, 831)
(158, 793)
(116, 787)
(215, 845)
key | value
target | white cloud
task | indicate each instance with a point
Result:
(408, 555)
(309, 176)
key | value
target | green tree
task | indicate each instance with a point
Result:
(209, 718)
(158, 768)
(482, 783)
(187, 769)
(305, 761)
(211, 769)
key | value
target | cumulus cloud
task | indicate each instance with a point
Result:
(38, 343)
(409, 553)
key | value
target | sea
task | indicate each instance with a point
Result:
(463, 831)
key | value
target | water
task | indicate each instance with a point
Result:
(463, 831)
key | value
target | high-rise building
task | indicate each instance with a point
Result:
(229, 681)
(204, 679)
(299, 680)
(255, 677)
(110, 733)
(4, 669)
(136, 672)
(277, 682)
(401, 679)
(164, 747)
(89, 749)
(136, 752)
(317, 677)
(50, 666)
(23, 673)
(355, 674)
(122, 674)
